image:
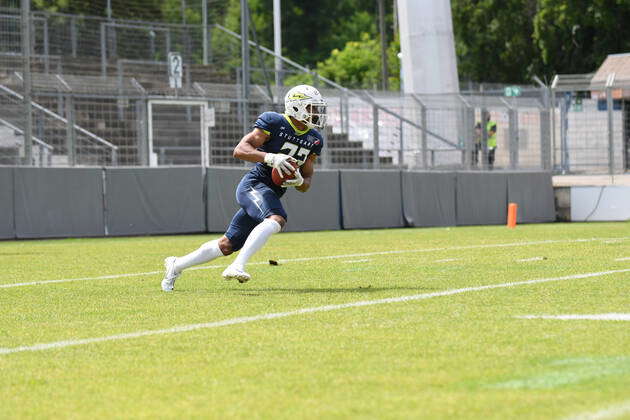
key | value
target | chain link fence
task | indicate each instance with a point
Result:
(591, 119)
(93, 90)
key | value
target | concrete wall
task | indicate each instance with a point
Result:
(604, 203)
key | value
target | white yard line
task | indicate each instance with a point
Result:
(329, 257)
(355, 261)
(531, 259)
(303, 311)
(445, 260)
(112, 276)
(594, 317)
(623, 259)
(612, 412)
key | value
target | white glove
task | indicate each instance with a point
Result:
(281, 162)
(295, 182)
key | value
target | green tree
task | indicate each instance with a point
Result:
(357, 65)
(493, 39)
(310, 29)
(574, 36)
(314, 33)
(150, 10)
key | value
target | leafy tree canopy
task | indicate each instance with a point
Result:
(575, 36)
(496, 40)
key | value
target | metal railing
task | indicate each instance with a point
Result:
(95, 76)
(45, 150)
(73, 130)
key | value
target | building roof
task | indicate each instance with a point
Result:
(619, 64)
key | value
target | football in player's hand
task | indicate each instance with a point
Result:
(278, 180)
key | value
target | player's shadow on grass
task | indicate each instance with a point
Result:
(360, 289)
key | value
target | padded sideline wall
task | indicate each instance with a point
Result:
(481, 198)
(71, 202)
(533, 192)
(371, 199)
(221, 197)
(318, 209)
(7, 229)
(140, 201)
(429, 198)
(58, 202)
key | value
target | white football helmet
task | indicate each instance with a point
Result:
(305, 104)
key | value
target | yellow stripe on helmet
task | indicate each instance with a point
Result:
(298, 96)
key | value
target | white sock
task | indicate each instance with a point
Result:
(206, 252)
(256, 239)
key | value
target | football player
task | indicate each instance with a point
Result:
(276, 141)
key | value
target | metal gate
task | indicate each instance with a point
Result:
(178, 132)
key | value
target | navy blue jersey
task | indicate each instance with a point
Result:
(284, 138)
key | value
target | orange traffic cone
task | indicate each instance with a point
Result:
(511, 216)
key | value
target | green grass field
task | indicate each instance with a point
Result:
(451, 350)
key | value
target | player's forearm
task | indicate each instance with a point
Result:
(305, 186)
(244, 151)
(247, 148)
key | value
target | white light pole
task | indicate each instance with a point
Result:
(204, 13)
(277, 42)
(26, 50)
(428, 46)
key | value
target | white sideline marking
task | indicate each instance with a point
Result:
(611, 412)
(112, 276)
(329, 257)
(531, 259)
(356, 261)
(447, 260)
(595, 317)
(326, 308)
(623, 259)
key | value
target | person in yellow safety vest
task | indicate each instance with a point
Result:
(491, 128)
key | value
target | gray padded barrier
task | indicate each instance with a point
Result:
(371, 199)
(533, 192)
(6, 204)
(481, 198)
(429, 198)
(154, 200)
(316, 209)
(58, 202)
(221, 197)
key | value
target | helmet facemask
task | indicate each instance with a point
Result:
(316, 115)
